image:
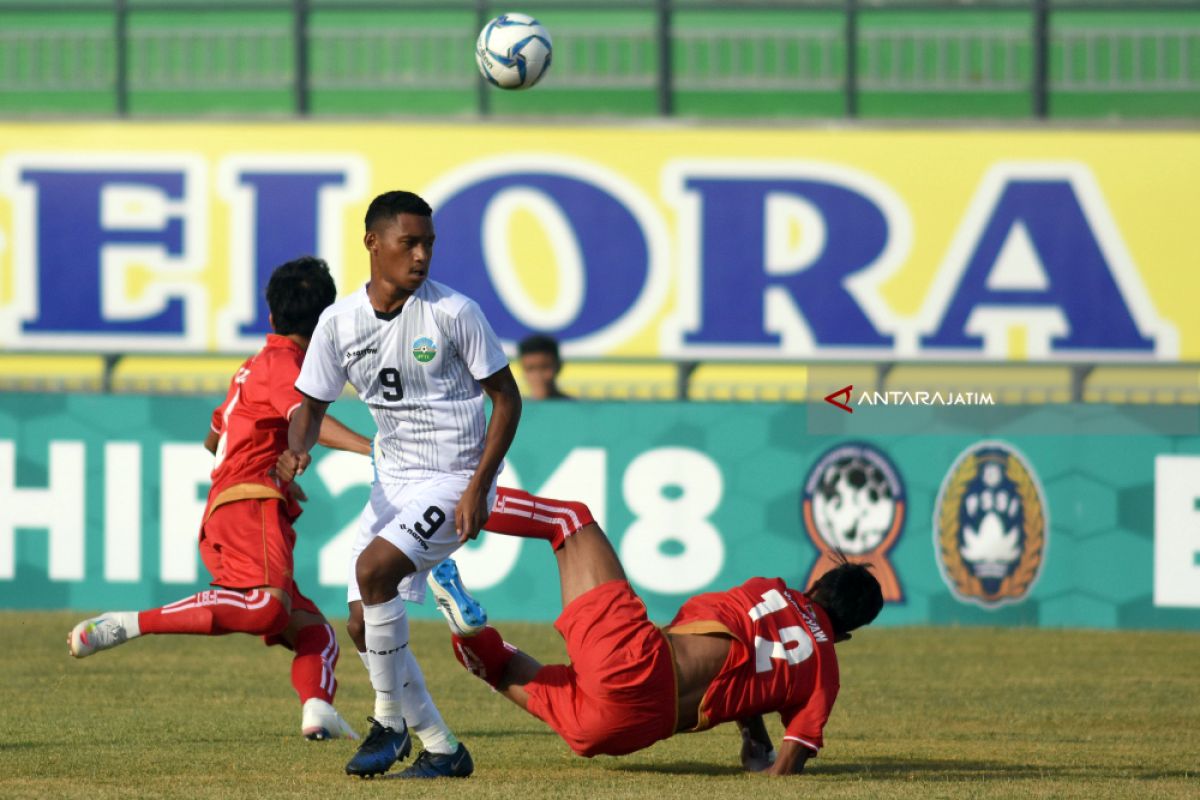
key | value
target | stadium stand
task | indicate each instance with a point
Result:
(1162, 385)
(617, 380)
(174, 375)
(1016, 383)
(749, 382)
(52, 373)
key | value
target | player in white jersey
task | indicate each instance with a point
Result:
(421, 356)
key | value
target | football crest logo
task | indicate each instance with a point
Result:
(854, 504)
(424, 350)
(990, 526)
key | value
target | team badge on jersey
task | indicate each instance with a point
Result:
(854, 504)
(424, 350)
(990, 525)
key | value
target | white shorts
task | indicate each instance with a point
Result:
(418, 518)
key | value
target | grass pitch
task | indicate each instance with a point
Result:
(922, 713)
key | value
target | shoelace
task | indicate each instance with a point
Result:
(378, 731)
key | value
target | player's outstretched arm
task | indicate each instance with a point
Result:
(303, 431)
(337, 436)
(790, 760)
(758, 753)
(472, 510)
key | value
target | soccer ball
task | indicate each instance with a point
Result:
(513, 51)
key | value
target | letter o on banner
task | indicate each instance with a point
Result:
(597, 229)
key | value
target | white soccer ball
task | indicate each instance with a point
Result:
(513, 51)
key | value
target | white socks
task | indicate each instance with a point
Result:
(129, 620)
(387, 650)
(422, 716)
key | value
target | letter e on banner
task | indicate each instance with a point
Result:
(107, 250)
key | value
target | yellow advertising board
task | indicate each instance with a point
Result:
(633, 241)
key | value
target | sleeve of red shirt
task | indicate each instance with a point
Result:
(284, 396)
(806, 724)
(218, 418)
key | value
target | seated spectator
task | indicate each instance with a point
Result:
(540, 363)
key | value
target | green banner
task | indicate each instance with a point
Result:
(101, 499)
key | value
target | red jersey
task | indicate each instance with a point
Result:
(782, 658)
(253, 422)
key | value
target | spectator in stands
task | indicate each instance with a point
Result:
(540, 363)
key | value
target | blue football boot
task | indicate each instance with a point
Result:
(463, 612)
(383, 747)
(437, 765)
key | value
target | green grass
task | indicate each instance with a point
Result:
(923, 713)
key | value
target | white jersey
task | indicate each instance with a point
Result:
(417, 370)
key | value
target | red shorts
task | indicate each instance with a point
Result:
(248, 543)
(618, 693)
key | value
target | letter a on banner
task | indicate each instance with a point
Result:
(1039, 249)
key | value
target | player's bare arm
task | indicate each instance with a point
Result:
(211, 441)
(337, 436)
(303, 432)
(472, 510)
(790, 760)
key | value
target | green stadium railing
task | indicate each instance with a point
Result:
(770, 58)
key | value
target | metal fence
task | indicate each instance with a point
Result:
(667, 48)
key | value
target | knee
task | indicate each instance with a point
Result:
(579, 514)
(372, 575)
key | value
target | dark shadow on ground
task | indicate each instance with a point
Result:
(953, 769)
(929, 769)
(679, 768)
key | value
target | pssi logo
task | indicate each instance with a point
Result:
(990, 526)
(129, 234)
(854, 506)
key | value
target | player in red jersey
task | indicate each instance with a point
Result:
(246, 537)
(726, 657)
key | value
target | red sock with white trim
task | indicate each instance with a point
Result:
(485, 655)
(217, 612)
(518, 513)
(312, 667)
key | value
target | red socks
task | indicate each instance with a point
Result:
(518, 513)
(485, 655)
(312, 668)
(217, 612)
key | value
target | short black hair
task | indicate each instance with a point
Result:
(297, 294)
(850, 595)
(538, 343)
(389, 204)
